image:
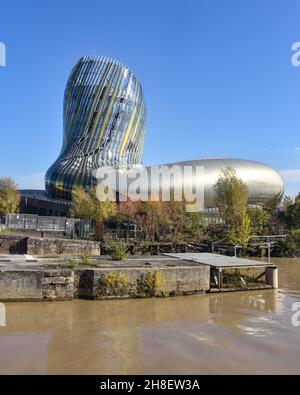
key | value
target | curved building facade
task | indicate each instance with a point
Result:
(104, 125)
(104, 119)
(262, 181)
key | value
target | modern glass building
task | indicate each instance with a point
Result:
(104, 125)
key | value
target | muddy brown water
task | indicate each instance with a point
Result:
(241, 332)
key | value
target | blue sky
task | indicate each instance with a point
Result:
(217, 77)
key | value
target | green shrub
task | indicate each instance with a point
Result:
(290, 246)
(86, 258)
(152, 284)
(118, 251)
(5, 232)
(115, 284)
(71, 263)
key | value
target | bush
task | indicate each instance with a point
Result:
(115, 284)
(119, 251)
(68, 262)
(152, 284)
(71, 263)
(290, 246)
(86, 258)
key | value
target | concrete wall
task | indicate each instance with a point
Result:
(26, 285)
(20, 244)
(66, 284)
(56, 246)
(13, 244)
(138, 282)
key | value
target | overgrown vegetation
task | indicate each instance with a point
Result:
(118, 251)
(151, 284)
(5, 232)
(240, 281)
(86, 258)
(169, 222)
(9, 196)
(290, 246)
(71, 263)
(114, 284)
(166, 222)
(231, 197)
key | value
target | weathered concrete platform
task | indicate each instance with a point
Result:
(26, 278)
(102, 279)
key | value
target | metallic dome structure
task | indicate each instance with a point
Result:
(262, 181)
(104, 125)
(103, 121)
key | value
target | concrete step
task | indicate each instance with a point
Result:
(15, 258)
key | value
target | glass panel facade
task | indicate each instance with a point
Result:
(104, 123)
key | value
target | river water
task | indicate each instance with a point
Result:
(241, 332)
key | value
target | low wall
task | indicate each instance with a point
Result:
(56, 246)
(20, 244)
(36, 285)
(68, 284)
(163, 281)
(13, 244)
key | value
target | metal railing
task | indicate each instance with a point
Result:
(40, 223)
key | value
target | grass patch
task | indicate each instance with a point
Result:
(5, 232)
(114, 284)
(151, 284)
(118, 251)
(237, 280)
(86, 259)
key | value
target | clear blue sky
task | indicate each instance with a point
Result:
(217, 77)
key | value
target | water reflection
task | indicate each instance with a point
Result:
(244, 332)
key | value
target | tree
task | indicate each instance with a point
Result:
(127, 211)
(287, 201)
(9, 196)
(231, 196)
(239, 232)
(183, 226)
(259, 219)
(152, 218)
(85, 204)
(81, 206)
(291, 214)
(290, 246)
(272, 204)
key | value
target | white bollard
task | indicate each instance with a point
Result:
(272, 276)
